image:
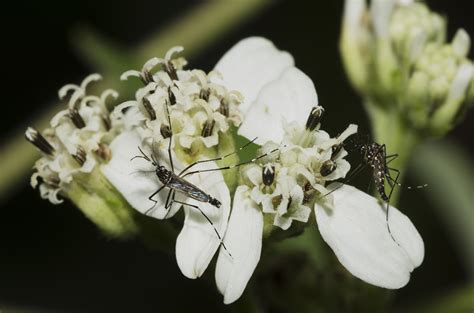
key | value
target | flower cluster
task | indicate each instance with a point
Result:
(177, 128)
(187, 104)
(396, 55)
(76, 140)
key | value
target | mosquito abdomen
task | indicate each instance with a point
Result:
(215, 202)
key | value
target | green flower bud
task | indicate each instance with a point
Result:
(396, 56)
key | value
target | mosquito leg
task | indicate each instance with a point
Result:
(392, 185)
(209, 220)
(153, 200)
(390, 158)
(400, 185)
(169, 203)
(231, 166)
(217, 159)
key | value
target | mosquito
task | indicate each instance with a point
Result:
(374, 156)
(177, 183)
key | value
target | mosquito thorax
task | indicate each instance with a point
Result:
(163, 174)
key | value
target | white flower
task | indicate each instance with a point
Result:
(350, 221)
(199, 108)
(76, 141)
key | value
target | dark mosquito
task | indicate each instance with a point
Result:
(374, 156)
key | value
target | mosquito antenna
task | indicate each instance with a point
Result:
(143, 156)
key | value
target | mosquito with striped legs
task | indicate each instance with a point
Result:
(375, 156)
(176, 182)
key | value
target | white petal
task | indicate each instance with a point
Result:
(244, 241)
(356, 231)
(381, 11)
(130, 73)
(289, 98)
(136, 179)
(353, 13)
(461, 43)
(197, 242)
(461, 82)
(250, 64)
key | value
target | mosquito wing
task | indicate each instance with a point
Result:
(185, 187)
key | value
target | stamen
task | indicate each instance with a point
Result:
(204, 94)
(147, 77)
(327, 168)
(268, 175)
(149, 108)
(308, 192)
(76, 118)
(224, 108)
(107, 122)
(104, 152)
(33, 136)
(335, 151)
(208, 128)
(171, 96)
(80, 156)
(314, 118)
(169, 68)
(165, 131)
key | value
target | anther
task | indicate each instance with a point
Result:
(224, 108)
(76, 118)
(149, 108)
(208, 128)
(104, 152)
(107, 122)
(327, 168)
(80, 155)
(171, 96)
(314, 118)
(169, 68)
(268, 174)
(204, 94)
(165, 131)
(335, 151)
(33, 136)
(147, 77)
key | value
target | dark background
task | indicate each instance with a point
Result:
(53, 259)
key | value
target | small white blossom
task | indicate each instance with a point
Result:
(199, 109)
(76, 141)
